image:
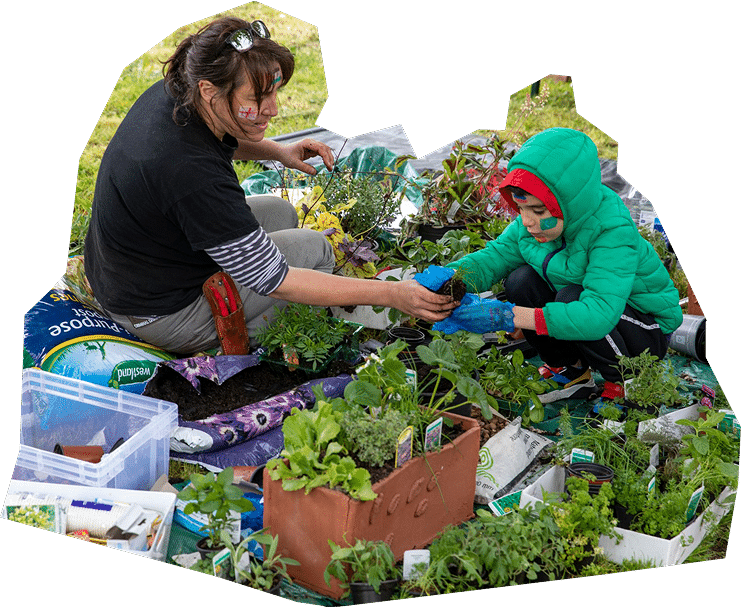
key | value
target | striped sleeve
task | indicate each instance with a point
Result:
(254, 261)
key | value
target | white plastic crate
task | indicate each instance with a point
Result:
(160, 502)
(61, 410)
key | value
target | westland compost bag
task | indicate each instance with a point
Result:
(64, 335)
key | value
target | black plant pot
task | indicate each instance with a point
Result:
(413, 337)
(435, 233)
(602, 474)
(365, 593)
(204, 550)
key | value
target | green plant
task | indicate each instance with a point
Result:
(312, 456)
(366, 562)
(450, 360)
(372, 437)
(650, 382)
(511, 378)
(419, 254)
(466, 190)
(303, 334)
(215, 497)
(262, 574)
(581, 518)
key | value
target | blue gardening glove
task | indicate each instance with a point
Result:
(434, 277)
(478, 315)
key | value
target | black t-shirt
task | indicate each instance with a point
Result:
(164, 193)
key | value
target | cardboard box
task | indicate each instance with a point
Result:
(633, 545)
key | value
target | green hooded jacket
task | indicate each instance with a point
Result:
(603, 250)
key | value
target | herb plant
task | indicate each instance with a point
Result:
(215, 497)
(365, 562)
(263, 574)
(308, 332)
(650, 382)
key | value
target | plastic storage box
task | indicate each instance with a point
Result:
(161, 502)
(57, 410)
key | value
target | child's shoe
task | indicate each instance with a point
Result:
(573, 382)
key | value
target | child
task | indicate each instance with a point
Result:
(580, 281)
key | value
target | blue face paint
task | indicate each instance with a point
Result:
(548, 223)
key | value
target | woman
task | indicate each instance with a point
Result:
(580, 281)
(169, 212)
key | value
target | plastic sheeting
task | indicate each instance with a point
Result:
(395, 140)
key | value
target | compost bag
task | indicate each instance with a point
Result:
(64, 335)
(365, 160)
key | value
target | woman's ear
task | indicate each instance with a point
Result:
(207, 90)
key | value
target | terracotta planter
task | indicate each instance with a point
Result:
(414, 504)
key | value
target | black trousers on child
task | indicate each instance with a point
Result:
(634, 333)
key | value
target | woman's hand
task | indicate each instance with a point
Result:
(295, 154)
(412, 298)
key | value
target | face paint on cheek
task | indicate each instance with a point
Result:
(548, 223)
(247, 112)
(277, 77)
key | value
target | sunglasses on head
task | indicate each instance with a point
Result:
(244, 39)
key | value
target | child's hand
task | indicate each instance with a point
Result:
(478, 316)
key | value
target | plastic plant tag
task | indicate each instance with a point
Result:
(290, 356)
(652, 485)
(416, 563)
(411, 377)
(433, 434)
(708, 390)
(506, 504)
(450, 216)
(730, 423)
(220, 563)
(404, 446)
(693, 503)
(581, 455)
(244, 563)
(653, 456)
(614, 426)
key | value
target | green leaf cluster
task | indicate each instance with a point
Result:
(373, 439)
(312, 456)
(511, 378)
(365, 561)
(651, 382)
(308, 330)
(262, 574)
(216, 497)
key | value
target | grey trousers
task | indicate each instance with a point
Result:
(192, 329)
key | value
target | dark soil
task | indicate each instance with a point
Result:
(453, 287)
(252, 385)
(488, 427)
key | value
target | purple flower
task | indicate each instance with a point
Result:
(194, 367)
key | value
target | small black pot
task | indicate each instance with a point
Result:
(413, 337)
(602, 474)
(204, 550)
(434, 233)
(364, 593)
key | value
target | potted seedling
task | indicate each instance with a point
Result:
(319, 489)
(264, 573)
(215, 500)
(306, 337)
(367, 569)
(650, 383)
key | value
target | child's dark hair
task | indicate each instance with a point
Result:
(516, 192)
(207, 55)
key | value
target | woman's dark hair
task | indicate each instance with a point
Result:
(207, 55)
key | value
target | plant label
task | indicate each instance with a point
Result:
(693, 503)
(452, 211)
(416, 563)
(221, 562)
(505, 505)
(652, 485)
(653, 456)
(433, 434)
(411, 377)
(708, 390)
(581, 455)
(404, 446)
(730, 423)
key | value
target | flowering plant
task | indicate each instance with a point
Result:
(466, 191)
(352, 257)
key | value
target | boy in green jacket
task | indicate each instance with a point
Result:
(580, 281)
